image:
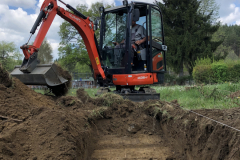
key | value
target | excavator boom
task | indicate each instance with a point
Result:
(33, 74)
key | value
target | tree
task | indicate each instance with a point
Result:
(45, 53)
(231, 41)
(72, 49)
(209, 6)
(222, 50)
(9, 56)
(188, 33)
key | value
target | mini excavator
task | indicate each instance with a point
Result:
(111, 65)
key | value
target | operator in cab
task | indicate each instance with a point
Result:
(138, 36)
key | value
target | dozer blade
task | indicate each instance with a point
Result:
(141, 97)
(150, 94)
(44, 74)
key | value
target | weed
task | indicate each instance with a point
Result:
(13, 86)
(110, 98)
(72, 103)
(98, 113)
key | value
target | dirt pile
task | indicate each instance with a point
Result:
(31, 122)
(5, 79)
(35, 126)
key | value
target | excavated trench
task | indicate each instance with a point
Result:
(35, 126)
(168, 134)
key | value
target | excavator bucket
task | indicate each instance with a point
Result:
(44, 74)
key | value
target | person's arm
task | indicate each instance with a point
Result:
(116, 43)
(122, 41)
(141, 41)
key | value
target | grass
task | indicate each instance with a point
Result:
(205, 97)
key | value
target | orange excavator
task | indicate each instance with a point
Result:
(124, 65)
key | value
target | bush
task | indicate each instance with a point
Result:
(217, 72)
(203, 61)
(202, 74)
(220, 72)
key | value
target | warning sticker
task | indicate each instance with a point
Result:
(97, 60)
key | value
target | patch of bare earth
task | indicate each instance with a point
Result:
(35, 126)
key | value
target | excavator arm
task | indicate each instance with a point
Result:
(82, 24)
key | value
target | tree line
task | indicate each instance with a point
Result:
(10, 55)
(231, 41)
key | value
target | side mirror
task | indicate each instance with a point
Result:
(135, 15)
(101, 9)
(159, 46)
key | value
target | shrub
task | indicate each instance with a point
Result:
(220, 72)
(217, 72)
(234, 73)
(203, 61)
(203, 74)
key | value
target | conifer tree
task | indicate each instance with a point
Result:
(188, 33)
(45, 53)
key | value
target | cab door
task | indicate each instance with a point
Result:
(157, 47)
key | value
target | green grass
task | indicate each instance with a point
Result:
(39, 91)
(207, 96)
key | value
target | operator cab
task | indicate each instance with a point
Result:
(116, 26)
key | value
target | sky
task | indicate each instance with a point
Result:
(18, 16)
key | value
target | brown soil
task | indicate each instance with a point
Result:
(235, 94)
(62, 89)
(35, 126)
(5, 79)
(65, 74)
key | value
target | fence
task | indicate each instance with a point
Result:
(76, 76)
(84, 83)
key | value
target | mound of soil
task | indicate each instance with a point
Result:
(35, 126)
(5, 79)
(83, 96)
